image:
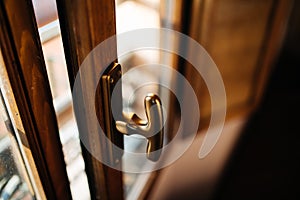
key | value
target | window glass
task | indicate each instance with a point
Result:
(45, 11)
(14, 181)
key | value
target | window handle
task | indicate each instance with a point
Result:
(152, 128)
(129, 123)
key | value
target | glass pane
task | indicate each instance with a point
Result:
(131, 15)
(14, 181)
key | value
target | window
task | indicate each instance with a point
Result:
(14, 178)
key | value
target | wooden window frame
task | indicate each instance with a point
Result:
(84, 25)
(26, 72)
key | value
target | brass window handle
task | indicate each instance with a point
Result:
(130, 123)
(152, 129)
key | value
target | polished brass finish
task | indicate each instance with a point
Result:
(109, 82)
(130, 123)
(152, 129)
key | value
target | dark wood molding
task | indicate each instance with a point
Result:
(23, 58)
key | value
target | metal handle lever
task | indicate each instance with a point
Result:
(152, 129)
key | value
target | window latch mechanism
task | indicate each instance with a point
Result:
(129, 123)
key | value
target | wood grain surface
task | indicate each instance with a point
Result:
(23, 57)
(84, 25)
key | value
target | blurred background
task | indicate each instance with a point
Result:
(255, 45)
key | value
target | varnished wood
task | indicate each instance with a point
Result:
(84, 25)
(19, 131)
(180, 21)
(232, 32)
(243, 38)
(274, 37)
(23, 57)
